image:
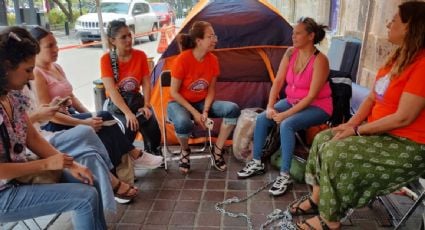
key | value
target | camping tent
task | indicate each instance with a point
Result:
(252, 37)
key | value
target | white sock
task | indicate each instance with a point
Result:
(284, 174)
(258, 162)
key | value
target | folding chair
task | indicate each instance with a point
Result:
(412, 209)
(164, 88)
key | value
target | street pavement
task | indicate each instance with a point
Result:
(82, 65)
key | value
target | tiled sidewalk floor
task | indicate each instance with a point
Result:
(169, 200)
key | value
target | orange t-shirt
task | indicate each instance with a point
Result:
(411, 80)
(130, 73)
(195, 75)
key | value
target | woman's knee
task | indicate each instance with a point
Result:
(231, 110)
(105, 115)
(87, 194)
(183, 125)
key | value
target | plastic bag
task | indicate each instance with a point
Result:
(243, 134)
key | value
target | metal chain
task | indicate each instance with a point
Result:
(275, 215)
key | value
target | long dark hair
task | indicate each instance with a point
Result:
(412, 13)
(188, 41)
(39, 33)
(113, 28)
(16, 46)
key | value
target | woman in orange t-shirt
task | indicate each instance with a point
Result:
(130, 67)
(353, 163)
(194, 75)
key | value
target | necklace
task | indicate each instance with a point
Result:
(300, 65)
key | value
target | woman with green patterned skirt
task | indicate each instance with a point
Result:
(353, 163)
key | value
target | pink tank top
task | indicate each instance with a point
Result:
(56, 87)
(298, 85)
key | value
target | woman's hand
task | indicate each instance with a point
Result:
(46, 112)
(59, 162)
(94, 122)
(279, 117)
(82, 173)
(199, 120)
(342, 131)
(270, 112)
(204, 116)
(132, 121)
(146, 112)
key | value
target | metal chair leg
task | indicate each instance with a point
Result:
(410, 211)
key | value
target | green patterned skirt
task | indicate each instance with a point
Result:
(353, 171)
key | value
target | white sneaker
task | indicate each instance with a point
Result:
(148, 161)
(251, 169)
(280, 185)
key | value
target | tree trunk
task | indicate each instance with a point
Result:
(64, 10)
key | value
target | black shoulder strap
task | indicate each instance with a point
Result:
(114, 63)
(6, 140)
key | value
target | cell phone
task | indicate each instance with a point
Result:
(62, 101)
(209, 123)
(140, 113)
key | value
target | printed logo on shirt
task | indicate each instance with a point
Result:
(381, 86)
(128, 84)
(198, 85)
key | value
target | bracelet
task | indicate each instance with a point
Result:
(356, 130)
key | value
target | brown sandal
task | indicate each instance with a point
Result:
(184, 162)
(124, 197)
(313, 210)
(310, 227)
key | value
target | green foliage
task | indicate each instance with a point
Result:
(11, 19)
(56, 16)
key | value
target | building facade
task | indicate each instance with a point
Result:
(362, 19)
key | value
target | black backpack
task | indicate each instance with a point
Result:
(340, 83)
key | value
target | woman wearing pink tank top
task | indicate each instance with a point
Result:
(305, 71)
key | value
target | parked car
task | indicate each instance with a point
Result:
(165, 13)
(138, 15)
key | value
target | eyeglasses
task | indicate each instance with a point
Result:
(212, 37)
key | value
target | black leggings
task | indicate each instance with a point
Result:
(149, 129)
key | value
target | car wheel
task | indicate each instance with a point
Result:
(154, 36)
(83, 42)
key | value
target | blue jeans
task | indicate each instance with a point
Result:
(29, 201)
(182, 119)
(82, 143)
(308, 117)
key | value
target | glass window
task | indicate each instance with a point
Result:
(115, 7)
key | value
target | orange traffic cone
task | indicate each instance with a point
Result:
(163, 43)
(170, 32)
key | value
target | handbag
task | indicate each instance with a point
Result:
(134, 100)
(45, 177)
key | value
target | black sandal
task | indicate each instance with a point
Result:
(310, 227)
(313, 210)
(218, 163)
(184, 162)
(124, 197)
